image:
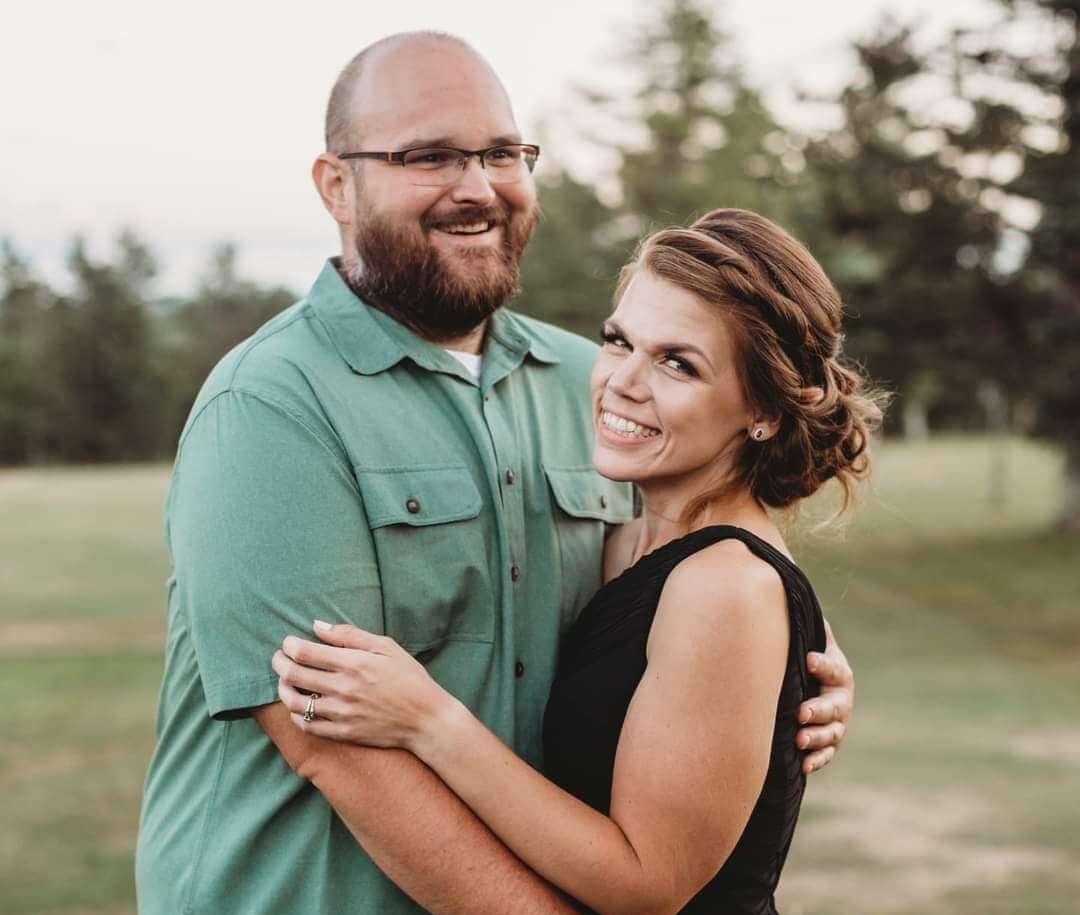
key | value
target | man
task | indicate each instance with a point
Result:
(396, 452)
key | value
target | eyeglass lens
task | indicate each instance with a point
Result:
(443, 166)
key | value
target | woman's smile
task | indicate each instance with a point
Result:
(624, 430)
(668, 399)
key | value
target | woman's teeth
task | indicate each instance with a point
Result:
(626, 426)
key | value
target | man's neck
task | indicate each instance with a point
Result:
(470, 342)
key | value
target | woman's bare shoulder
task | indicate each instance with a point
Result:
(719, 593)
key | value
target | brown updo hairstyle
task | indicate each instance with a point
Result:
(784, 317)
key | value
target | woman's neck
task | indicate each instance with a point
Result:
(664, 517)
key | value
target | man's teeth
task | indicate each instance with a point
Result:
(626, 426)
(472, 228)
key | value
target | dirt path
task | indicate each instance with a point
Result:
(902, 850)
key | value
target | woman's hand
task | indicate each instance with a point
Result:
(370, 690)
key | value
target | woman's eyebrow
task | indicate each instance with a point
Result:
(680, 348)
(612, 327)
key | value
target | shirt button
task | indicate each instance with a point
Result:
(603, 501)
(510, 477)
(515, 572)
(412, 506)
(519, 669)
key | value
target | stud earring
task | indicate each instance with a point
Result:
(759, 434)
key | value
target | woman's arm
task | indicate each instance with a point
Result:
(691, 759)
(415, 830)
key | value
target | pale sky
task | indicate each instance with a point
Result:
(197, 122)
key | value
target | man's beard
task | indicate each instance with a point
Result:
(402, 274)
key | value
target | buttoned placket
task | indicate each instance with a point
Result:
(512, 490)
(508, 459)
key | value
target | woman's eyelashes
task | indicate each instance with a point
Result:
(609, 336)
(679, 365)
(670, 359)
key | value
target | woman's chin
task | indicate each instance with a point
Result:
(614, 467)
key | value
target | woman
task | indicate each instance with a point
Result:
(718, 391)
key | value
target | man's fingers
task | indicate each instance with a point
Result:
(829, 671)
(817, 738)
(814, 761)
(823, 710)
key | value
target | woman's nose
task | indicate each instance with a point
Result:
(628, 379)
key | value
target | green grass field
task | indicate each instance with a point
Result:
(956, 791)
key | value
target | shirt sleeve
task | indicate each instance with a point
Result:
(267, 533)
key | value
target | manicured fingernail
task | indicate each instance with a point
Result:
(811, 663)
(805, 715)
(325, 627)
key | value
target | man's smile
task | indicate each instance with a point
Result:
(468, 234)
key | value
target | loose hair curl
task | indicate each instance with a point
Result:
(784, 316)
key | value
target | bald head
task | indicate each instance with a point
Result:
(384, 60)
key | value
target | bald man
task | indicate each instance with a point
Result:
(399, 452)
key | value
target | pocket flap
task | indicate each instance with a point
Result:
(583, 493)
(418, 495)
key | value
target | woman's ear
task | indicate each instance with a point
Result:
(762, 429)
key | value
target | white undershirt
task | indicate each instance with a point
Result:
(472, 361)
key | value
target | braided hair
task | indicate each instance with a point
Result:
(785, 318)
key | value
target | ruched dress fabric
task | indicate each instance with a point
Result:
(603, 660)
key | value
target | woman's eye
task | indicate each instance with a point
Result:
(614, 340)
(680, 365)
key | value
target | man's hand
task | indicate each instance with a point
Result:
(825, 718)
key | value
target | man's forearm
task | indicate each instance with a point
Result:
(413, 827)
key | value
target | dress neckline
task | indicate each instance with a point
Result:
(739, 533)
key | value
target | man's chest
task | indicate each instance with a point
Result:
(486, 517)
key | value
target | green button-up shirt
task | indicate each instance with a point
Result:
(336, 466)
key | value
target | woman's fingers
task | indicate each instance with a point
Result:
(326, 708)
(345, 636)
(299, 676)
(315, 654)
(320, 727)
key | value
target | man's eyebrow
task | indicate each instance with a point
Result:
(448, 142)
(422, 142)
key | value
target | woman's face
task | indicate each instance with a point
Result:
(668, 402)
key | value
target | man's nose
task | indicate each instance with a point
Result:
(472, 185)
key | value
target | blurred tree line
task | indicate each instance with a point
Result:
(941, 190)
(107, 372)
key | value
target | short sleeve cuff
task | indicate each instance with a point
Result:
(236, 698)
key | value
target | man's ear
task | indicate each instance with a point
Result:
(336, 186)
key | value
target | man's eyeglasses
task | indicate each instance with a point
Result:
(434, 166)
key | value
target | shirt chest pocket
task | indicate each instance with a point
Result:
(587, 504)
(432, 551)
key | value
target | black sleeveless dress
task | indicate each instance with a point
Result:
(603, 659)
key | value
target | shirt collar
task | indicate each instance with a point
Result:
(372, 342)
